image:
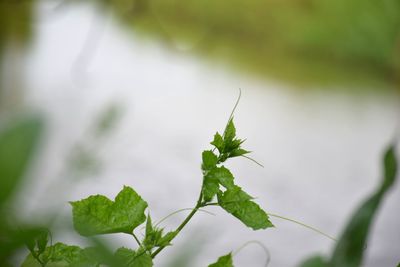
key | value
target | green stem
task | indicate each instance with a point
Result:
(36, 257)
(288, 219)
(304, 225)
(253, 160)
(178, 211)
(211, 204)
(137, 239)
(265, 249)
(183, 224)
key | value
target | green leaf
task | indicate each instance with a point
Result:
(238, 152)
(99, 215)
(154, 236)
(231, 146)
(316, 261)
(61, 255)
(17, 146)
(209, 160)
(214, 178)
(14, 237)
(239, 204)
(222, 175)
(149, 226)
(166, 239)
(230, 131)
(223, 261)
(218, 142)
(42, 240)
(130, 258)
(210, 188)
(350, 248)
(37, 243)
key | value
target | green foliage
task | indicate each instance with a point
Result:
(17, 144)
(210, 160)
(350, 248)
(223, 261)
(60, 255)
(301, 41)
(154, 236)
(99, 215)
(129, 258)
(37, 245)
(316, 261)
(18, 141)
(215, 177)
(239, 204)
(234, 200)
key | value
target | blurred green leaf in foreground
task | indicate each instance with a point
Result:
(18, 140)
(351, 246)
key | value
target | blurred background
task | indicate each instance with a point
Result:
(129, 92)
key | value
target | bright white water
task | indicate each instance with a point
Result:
(321, 150)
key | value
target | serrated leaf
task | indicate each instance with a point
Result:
(61, 255)
(238, 152)
(17, 145)
(42, 240)
(153, 235)
(166, 239)
(218, 142)
(149, 226)
(209, 160)
(350, 248)
(239, 204)
(222, 175)
(316, 261)
(99, 215)
(214, 178)
(230, 131)
(232, 145)
(131, 258)
(35, 239)
(210, 188)
(223, 261)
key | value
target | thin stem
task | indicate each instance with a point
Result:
(253, 160)
(183, 224)
(178, 211)
(304, 225)
(236, 104)
(290, 220)
(266, 251)
(36, 257)
(211, 204)
(137, 239)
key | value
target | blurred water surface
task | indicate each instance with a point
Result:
(321, 149)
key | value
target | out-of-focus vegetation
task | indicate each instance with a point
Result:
(306, 42)
(309, 42)
(350, 248)
(302, 41)
(16, 22)
(16, 32)
(18, 142)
